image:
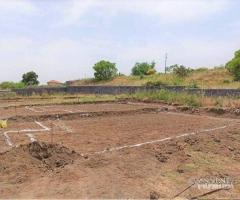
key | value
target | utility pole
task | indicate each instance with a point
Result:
(166, 57)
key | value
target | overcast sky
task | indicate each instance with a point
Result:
(62, 39)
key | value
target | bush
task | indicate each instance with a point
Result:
(11, 85)
(156, 83)
(225, 81)
(179, 70)
(193, 84)
(170, 97)
(144, 68)
(201, 69)
(151, 72)
(105, 70)
(177, 80)
(233, 66)
(30, 78)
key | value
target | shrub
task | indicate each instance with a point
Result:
(143, 69)
(105, 70)
(193, 84)
(11, 85)
(177, 80)
(233, 66)
(225, 81)
(156, 83)
(201, 69)
(170, 97)
(151, 71)
(179, 70)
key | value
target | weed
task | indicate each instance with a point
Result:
(169, 97)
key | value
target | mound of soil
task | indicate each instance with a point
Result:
(52, 155)
(27, 162)
(38, 155)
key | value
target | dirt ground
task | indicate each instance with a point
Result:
(7, 112)
(151, 154)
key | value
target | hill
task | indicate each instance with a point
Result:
(201, 78)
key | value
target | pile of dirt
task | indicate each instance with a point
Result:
(52, 155)
(39, 155)
(26, 163)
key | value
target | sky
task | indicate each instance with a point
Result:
(63, 39)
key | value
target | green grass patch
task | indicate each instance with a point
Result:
(169, 97)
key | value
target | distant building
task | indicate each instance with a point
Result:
(54, 83)
(71, 83)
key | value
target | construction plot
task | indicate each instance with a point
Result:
(130, 155)
(29, 110)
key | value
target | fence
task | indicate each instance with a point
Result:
(123, 89)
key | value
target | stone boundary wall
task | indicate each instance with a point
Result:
(5, 92)
(122, 90)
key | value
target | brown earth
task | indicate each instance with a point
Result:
(43, 110)
(95, 157)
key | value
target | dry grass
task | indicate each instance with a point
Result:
(212, 78)
(208, 78)
(188, 99)
(162, 95)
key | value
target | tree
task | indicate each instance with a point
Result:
(143, 68)
(179, 70)
(104, 70)
(30, 78)
(233, 66)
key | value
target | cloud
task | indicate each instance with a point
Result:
(67, 53)
(167, 11)
(75, 9)
(25, 7)
(65, 59)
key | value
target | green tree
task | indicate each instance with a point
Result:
(179, 70)
(233, 66)
(104, 70)
(30, 78)
(143, 68)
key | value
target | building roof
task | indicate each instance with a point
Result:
(54, 81)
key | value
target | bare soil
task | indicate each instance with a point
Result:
(131, 155)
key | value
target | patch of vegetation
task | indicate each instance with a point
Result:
(105, 70)
(226, 81)
(154, 83)
(204, 78)
(169, 97)
(12, 85)
(179, 70)
(193, 85)
(233, 66)
(201, 69)
(143, 68)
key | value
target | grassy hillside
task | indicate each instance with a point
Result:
(201, 78)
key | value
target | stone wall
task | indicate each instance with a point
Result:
(122, 89)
